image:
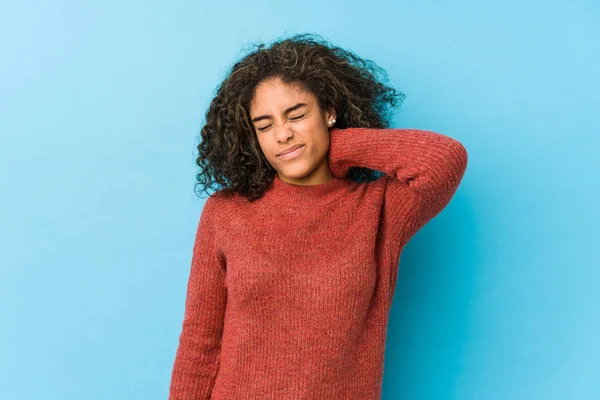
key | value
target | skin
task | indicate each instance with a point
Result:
(277, 131)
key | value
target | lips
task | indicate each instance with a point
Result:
(292, 155)
(290, 149)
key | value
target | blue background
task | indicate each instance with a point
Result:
(100, 106)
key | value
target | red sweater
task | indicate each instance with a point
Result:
(288, 297)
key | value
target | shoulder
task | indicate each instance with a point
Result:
(375, 187)
(221, 208)
(365, 196)
(215, 203)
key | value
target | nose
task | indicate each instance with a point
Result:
(283, 133)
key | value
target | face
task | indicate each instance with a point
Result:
(284, 115)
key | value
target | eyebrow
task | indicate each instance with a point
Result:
(287, 111)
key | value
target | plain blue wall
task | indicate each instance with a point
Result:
(497, 298)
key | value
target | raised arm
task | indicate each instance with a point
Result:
(423, 171)
(197, 359)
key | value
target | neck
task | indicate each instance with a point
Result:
(289, 193)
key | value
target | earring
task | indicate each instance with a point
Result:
(332, 121)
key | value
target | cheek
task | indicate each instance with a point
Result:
(321, 144)
(266, 151)
(265, 146)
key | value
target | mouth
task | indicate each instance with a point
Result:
(295, 152)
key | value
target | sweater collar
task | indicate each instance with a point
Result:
(285, 192)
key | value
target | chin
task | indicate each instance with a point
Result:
(296, 172)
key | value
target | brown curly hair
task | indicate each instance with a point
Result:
(229, 153)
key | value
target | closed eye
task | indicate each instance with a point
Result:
(294, 118)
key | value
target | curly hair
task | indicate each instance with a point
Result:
(229, 153)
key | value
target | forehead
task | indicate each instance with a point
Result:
(277, 95)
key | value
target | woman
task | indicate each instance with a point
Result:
(296, 255)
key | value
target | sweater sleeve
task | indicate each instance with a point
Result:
(197, 358)
(423, 171)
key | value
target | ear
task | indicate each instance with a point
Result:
(330, 113)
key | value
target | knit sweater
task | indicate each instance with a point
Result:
(288, 296)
